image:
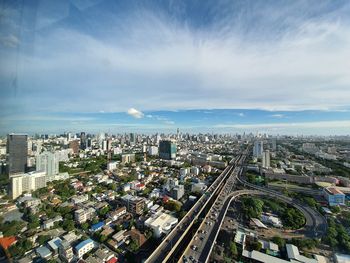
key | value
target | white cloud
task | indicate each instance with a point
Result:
(277, 115)
(164, 65)
(135, 113)
(10, 41)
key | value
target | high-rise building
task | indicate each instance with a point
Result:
(258, 149)
(47, 162)
(167, 150)
(132, 139)
(17, 150)
(266, 159)
(83, 142)
(27, 182)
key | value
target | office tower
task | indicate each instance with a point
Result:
(258, 149)
(104, 145)
(266, 159)
(17, 150)
(89, 143)
(48, 163)
(167, 150)
(274, 144)
(82, 141)
(132, 139)
(28, 182)
(109, 145)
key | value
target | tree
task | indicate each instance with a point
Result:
(68, 225)
(43, 239)
(279, 241)
(85, 226)
(233, 249)
(103, 238)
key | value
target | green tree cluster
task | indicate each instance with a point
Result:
(337, 236)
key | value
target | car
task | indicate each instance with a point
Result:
(195, 248)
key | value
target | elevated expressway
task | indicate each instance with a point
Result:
(172, 245)
(201, 245)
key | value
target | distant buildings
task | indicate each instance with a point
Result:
(167, 150)
(17, 150)
(27, 182)
(334, 196)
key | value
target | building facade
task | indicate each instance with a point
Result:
(167, 150)
(17, 150)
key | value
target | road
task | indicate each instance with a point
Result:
(167, 247)
(200, 247)
(203, 241)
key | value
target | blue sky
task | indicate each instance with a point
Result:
(218, 66)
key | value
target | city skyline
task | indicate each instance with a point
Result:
(73, 65)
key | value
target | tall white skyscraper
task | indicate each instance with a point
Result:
(258, 149)
(48, 162)
(266, 159)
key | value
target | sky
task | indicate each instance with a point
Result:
(281, 67)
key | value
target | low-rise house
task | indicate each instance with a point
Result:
(84, 247)
(65, 251)
(96, 227)
(47, 224)
(116, 214)
(54, 243)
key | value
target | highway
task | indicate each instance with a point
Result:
(201, 245)
(165, 250)
(203, 241)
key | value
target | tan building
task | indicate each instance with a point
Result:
(21, 183)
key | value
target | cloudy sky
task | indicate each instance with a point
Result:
(155, 65)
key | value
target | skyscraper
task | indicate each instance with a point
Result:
(82, 141)
(258, 149)
(266, 159)
(17, 150)
(167, 150)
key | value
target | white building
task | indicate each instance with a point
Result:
(161, 223)
(266, 159)
(47, 162)
(27, 182)
(79, 199)
(112, 166)
(153, 150)
(84, 247)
